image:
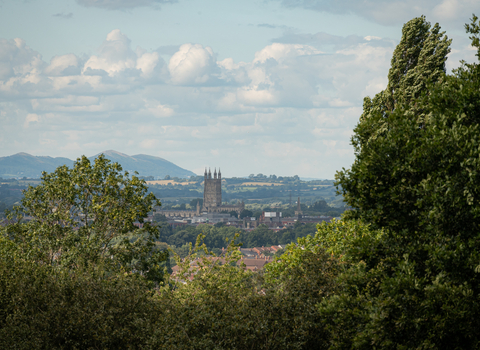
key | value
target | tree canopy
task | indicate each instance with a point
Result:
(87, 215)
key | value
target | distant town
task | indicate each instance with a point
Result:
(212, 210)
(266, 212)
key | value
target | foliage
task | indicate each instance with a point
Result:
(216, 237)
(416, 175)
(378, 183)
(346, 241)
(86, 215)
(225, 307)
(42, 307)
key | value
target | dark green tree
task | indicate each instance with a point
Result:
(376, 185)
(321, 206)
(245, 213)
(416, 175)
(193, 202)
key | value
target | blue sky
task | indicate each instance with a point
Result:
(268, 86)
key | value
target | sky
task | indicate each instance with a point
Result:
(251, 86)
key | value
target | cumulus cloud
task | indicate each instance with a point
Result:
(63, 65)
(123, 4)
(17, 60)
(147, 63)
(192, 64)
(115, 55)
(393, 12)
(296, 102)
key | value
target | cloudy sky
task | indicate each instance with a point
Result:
(251, 86)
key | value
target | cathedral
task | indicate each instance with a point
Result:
(212, 194)
(212, 191)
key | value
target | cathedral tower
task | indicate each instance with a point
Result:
(212, 190)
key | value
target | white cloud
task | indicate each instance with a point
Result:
(147, 63)
(452, 10)
(256, 97)
(158, 110)
(17, 60)
(149, 144)
(30, 118)
(63, 65)
(291, 108)
(280, 52)
(375, 85)
(115, 55)
(192, 64)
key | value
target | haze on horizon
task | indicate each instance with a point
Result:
(258, 86)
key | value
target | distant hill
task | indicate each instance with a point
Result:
(146, 165)
(26, 165)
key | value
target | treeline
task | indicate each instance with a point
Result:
(218, 236)
(318, 208)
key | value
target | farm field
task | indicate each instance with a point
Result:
(167, 182)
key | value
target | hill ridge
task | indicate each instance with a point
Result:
(23, 164)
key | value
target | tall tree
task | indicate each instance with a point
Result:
(416, 174)
(375, 185)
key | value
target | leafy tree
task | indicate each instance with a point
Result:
(86, 215)
(179, 238)
(377, 183)
(42, 307)
(159, 218)
(279, 253)
(226, 307)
